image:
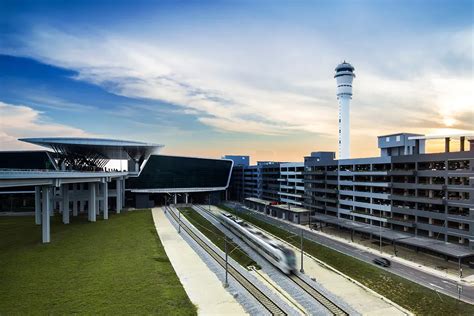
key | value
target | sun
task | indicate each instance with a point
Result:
(449, 121)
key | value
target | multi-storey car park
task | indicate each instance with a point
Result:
(291, 183)
(407, 197)
(267, 177)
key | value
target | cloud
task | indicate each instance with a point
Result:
(259, 91)
(44, 100)
(17, 121)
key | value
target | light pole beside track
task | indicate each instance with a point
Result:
(226, 284)
(302, 270)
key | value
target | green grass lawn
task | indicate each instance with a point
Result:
(117, 266)
(412, 296)
(217, 237)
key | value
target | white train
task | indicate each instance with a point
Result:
(275, 252)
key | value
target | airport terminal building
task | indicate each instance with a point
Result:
(71, 178)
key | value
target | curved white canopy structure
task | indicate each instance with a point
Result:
(95, 151)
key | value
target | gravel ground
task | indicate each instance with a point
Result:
(304, 299)
(248, 302)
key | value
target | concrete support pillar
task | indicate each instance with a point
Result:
(446, 144)
(92, 202)
(123, 192)
(97, 201)
(51, 201)
(60, 203)
(82, 203)
(175, 199)
(119, 195)
(65, 203)
(186, 195)
(462, 140)
(105, 195)
(37, 205)
(45, 209)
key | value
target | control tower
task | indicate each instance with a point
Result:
(344, 76)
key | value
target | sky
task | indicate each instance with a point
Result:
(209, 78)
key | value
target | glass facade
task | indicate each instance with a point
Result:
(162, 172)
(18, 202)
(25, 160)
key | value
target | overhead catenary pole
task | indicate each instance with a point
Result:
(302, 270)
(226, 284)
(179, 221)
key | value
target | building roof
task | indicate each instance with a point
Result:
(468, 135)
(449, 249)
(344, 66)
(256, 200)
(178, 190)
(106, 148)
(402, 134)
(292, 208)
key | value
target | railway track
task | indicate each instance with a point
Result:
(314, 293)
(261, 297)
(318, 296)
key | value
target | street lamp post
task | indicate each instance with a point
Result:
(380, 232)
(302, 270)
(459, 291)
(310, 220)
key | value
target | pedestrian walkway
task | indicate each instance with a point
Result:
(202, 286)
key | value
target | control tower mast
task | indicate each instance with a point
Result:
(344, 76)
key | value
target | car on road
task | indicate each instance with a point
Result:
(382, 262)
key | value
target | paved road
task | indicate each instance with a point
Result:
(433, 282)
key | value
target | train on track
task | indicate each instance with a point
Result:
(272, 250)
